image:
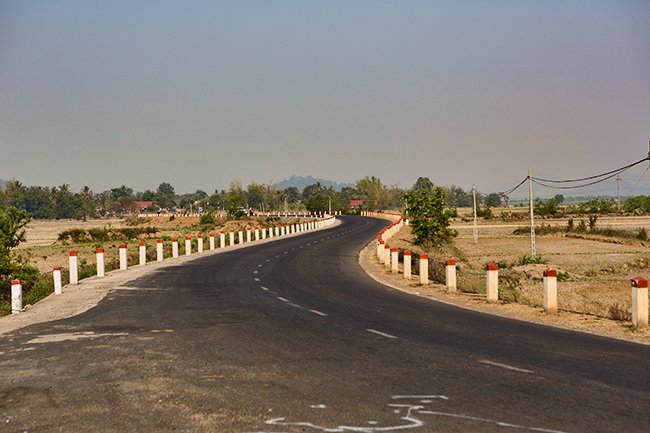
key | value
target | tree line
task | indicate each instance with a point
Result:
(61, 202)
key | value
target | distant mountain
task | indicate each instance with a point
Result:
(301, 182)
(2, 184)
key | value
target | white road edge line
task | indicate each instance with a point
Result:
(282, 299)
(383, 334)
(506, 366)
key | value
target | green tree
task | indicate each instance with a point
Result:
(493, 200)
(429, 218)
(12, 232)
(373, 193)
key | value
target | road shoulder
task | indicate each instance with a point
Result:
(437, 292)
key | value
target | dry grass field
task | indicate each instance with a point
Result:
(594, 270)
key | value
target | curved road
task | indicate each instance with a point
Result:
(293, 336)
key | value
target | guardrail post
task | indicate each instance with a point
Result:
(56, 276)
(407, 265)
(74, 267)
(550, 290)
(424, 268)
(16, 297)
(159, 250)
(143, 253)
(394, 260)
(211, 241)
(199, 242)
(123, 257)
(492, 282)
(450, 275)
(639, 302)
(100, 262)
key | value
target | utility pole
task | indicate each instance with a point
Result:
(475, 220)
(618, 192)
(533, 251)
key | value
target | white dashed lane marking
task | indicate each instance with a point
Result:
(383, 334)
(320, 313)
(506, 366)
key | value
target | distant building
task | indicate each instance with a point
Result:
(355, 203)
(143, 205)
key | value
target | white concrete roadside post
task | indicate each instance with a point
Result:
(159, 250)
(424, 268)
(394, 260)
(240, 237)
(123, 257)
(199, 241)
(492, 282)
(639, 302)
(231, 238)
(550, 290)
(263, 233)
(16, 297)
(283, 230)
(100, 262)
(450, 275)
(248, 235)
(211, 241)
(143, 253)
(257, 233)
(387, 255)
(380, 249)
(222, 239)
(407, 265)
(73, 263)
(188, 245)
(56, 275)
(175, 248)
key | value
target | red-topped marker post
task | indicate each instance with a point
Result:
(99, 255)
(394, 260)
(159, 250)
(550, 290)
(188, 245)
(142, 253)
(175, 248)
(16, 297)
(423, 268)
(199, 241)
(639, 302)
(407, 265)
(450, 275)
(211, 241)
(56, 275)
(73, 262)
(492, 282)
(123, 257)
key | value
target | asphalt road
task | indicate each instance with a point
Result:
(293, 336)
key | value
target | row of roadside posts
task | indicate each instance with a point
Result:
(390, 258)
(242, 236)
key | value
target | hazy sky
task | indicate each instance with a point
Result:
(197, 93)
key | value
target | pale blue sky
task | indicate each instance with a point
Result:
(197, 93)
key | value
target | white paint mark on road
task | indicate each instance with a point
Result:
(318, 406)
(256, 272)
(506, 366)
(266, 289)
(383, 334)
(490, 421)
(320, 313)
(257, 279)
(260, 265)
(71, 336)
(417, 397)
(282, 299)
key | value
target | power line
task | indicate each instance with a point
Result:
(618, 170)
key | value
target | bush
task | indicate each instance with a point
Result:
(429, 220)
(207, 219)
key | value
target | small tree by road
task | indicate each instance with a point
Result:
(428, 216)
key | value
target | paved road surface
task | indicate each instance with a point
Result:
(292, 336)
